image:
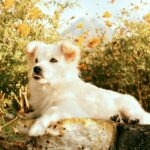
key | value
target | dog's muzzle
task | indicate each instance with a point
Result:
(37, 72)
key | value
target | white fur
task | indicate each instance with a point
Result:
(60, 93)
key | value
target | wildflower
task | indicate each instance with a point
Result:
(80, 25)
(106, 14)
(136, 7)
(24, 29)
(79, 40)
(86, 33)
(8, 3)
(108, 23)
(35, 13)
(93, 42)
(147, 17)
(112, 1)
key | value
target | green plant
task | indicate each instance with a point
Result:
(22, 21)
(123, 64)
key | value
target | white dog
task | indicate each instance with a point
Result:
(57, 92)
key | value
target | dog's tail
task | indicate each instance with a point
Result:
(146, 118)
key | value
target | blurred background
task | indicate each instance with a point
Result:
(114, 37)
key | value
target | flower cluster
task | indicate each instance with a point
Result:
(106, 14)
(80, 25)
(147, 17)
(23, 29)
(8, 4)
(35, 13)
(93, 42)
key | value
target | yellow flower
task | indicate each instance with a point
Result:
(86, 33)
(108, 23)
(93, 42)
(106, 14)
(79, 40)
(8, 3)
(24, 29)
(136, 7)
(112, 1)
(35, 13)
(80, 25)
(147, 17)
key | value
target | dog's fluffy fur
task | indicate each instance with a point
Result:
(57, 92)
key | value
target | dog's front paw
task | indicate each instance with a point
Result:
(116, 118)
(36, 130)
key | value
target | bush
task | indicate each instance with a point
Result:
(123, 64)
(21, 22)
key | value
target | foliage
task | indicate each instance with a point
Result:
(123, 64)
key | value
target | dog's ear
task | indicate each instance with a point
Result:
(32, 48)
(70, 51)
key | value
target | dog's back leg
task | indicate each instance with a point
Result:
(130, 108)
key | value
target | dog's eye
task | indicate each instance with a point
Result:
(53, 60)
(36, 60)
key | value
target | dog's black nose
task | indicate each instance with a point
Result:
(37, 69)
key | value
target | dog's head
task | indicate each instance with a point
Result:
(51, 63)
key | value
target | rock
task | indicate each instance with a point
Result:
(72, 134)
(76, 134)
(133, 137)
